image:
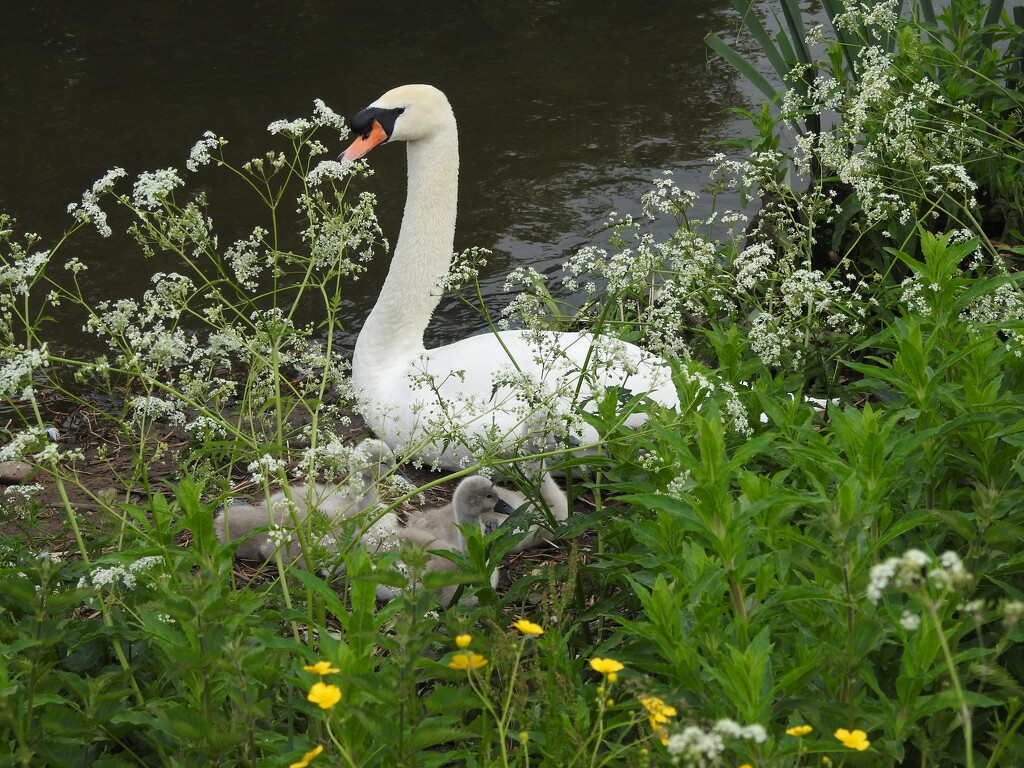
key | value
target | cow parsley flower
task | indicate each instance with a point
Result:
(89, 210)
(325, 116)
(291, 128)
(328, 170)
(153, 187)
(910, 621)
(200, 154)
(265, 467)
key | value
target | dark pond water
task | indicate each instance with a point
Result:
(567, 108)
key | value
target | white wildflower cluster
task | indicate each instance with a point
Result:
(916, 569)
(753, 265)
(889, 147)
(152, 408)
(1001, 306)
(327, 117)
(727, 174)
(152, 188)
(200, 154)
(913, 297)
(527, 306)
(19, 272)
(127, 576)
(341, 241)
(21, 443)
(680, 485)
(247, 258)
(699, 746)
(266, 468)
(464, 269)
(89, 209)
(910, 621)
(328, 170)
(271, 163)
(884, 14)
(666, 197)
(335, 457)
(18, 371)
(1013, 612)
(291, 128)
(703, 386)
(735, 412)
(20, 494)
(322, 116)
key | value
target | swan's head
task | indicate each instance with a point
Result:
(406, 113)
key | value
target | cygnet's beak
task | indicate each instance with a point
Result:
(503, 507)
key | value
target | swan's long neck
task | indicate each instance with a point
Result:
(393, 332)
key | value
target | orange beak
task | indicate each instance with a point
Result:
(364, 144)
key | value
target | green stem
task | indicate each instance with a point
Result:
(965, 710)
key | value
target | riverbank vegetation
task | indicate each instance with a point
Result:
(815, 560)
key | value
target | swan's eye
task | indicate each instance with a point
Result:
(362, 123)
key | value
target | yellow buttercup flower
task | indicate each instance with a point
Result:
(853, 739)
(528, 627)
(321, 668)
(324, 696)
(746, 765)
(661, 733)
(660, 712)
(467, 661)
(799, 730)
(607, 667)
(307, 757)
(463, 641)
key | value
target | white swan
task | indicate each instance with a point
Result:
(441, 405)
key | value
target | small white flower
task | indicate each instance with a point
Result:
(200, 154)
(292, 128)
(153, 187)
(328, 170)
(910, 621)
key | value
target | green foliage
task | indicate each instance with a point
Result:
(751, 562)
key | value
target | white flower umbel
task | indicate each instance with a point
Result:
(201, 152)
(152, 188)
(912, 571)
(18, 273)
(325, 116)
(265, 468)
(292, 128)
(89, 210)
(123, 575)
(910, 621)
(16, 373)
(328, 170)
(695, 744)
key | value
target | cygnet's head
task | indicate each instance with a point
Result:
(476, 496)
